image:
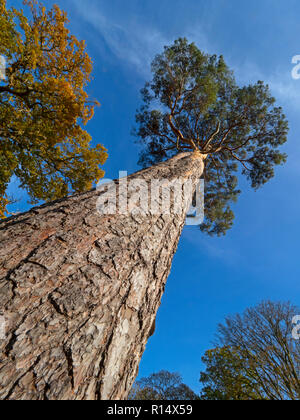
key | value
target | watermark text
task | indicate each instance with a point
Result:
(2, 68)
(154, 197)
(296, 329)
(296, 68)
(2, 327)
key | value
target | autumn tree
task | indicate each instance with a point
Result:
(162, 385)
(44, 106)
(80, 290)
(257, 357)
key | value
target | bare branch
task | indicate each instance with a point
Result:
(219, 147)
(237, 158)
(208, 141)
(178, 133)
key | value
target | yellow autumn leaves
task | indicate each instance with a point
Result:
(44, 106)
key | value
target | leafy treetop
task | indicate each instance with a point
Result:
(194, 103)
(43, 106)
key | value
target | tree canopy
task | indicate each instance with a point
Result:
(228, 376)
(256, 358)
(162, 385)
(44, 106)
(194, 103)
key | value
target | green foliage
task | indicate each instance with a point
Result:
(226, 376)
(256, 357)
(44, 106)
(194, 103)
(162, 386)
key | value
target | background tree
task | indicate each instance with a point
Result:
(194, 103)
(257, 358)
(44, 106)
(162, 385)
(228, 377)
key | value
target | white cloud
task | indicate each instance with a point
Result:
(285, 89)
(133, 43)
(216, 248)
(136, 44)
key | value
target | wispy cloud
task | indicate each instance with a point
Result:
(216, 248)
(136, 43)
(283, 86)
(133, 43)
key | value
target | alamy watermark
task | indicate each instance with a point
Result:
(2, 68)
(2, 328)
(296, 68)
(159, 196)
(296, 329)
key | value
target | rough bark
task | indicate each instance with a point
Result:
(80, 292)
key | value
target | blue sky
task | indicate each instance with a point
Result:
(258, 259)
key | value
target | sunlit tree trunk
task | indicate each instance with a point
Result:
(79, 292)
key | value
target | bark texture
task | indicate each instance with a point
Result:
(80, 292)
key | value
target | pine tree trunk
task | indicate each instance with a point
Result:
(79, 292)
